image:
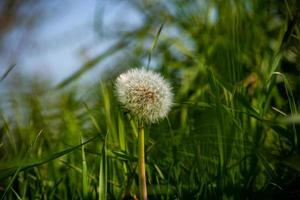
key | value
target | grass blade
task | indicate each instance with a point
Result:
(85, 183)
(10, 171)
(7, 72)
(103, 174)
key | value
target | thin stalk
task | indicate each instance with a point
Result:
(85, 180)
(142, 173)
(103, 172)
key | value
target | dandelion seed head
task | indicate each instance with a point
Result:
(145, 94)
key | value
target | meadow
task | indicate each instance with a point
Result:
(232, 132)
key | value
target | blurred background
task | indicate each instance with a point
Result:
(52, 39)
(233, 130)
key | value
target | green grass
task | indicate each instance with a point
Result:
(232, 132)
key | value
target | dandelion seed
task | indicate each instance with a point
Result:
(145, 94)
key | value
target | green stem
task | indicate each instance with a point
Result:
(142, 173)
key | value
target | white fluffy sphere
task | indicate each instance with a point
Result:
(145, 94)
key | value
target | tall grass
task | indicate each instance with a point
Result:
(232, 132)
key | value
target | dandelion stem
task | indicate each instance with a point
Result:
(142, 173)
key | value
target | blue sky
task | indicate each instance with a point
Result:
(65, 38)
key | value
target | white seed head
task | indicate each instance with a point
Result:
(145, 94)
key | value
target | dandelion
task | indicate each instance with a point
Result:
(145, 94)
(148, 97)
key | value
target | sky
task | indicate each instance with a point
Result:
(66, 37)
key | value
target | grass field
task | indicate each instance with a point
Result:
(232, 133)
